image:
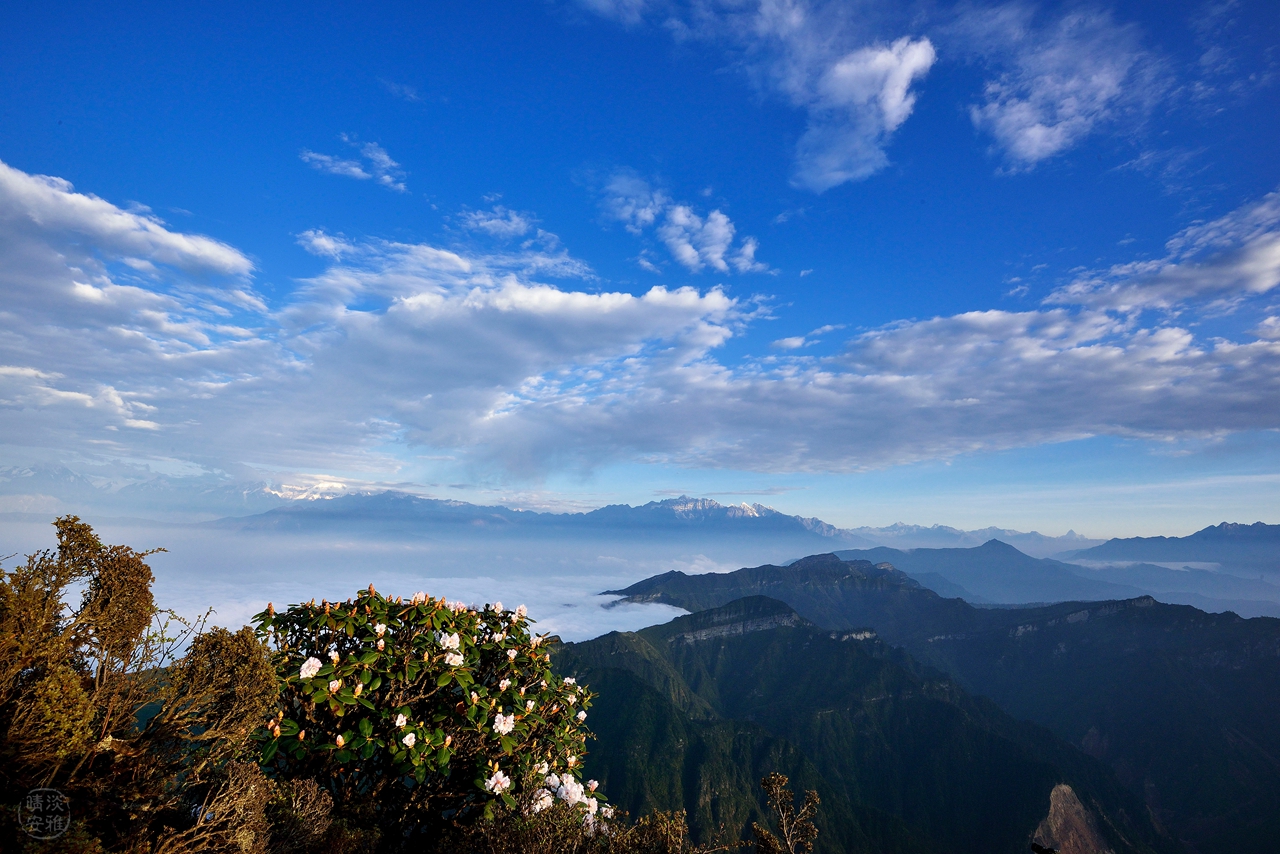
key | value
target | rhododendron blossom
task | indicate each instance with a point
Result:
(498, 783)
(309, 668)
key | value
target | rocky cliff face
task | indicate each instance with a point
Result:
(1070, 827)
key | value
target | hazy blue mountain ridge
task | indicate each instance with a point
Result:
(996, 572)
(1247, 548)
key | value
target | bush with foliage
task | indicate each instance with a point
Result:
(382, 725)
(419, 713)
(96, 702)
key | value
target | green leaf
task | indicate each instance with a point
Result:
(269, 751)
(288, 727)
(443, 679)
(366, 727)
(362, 701)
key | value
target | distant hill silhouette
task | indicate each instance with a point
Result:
(996, 572)
(1249, 548)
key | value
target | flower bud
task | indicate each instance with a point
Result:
(341, 741)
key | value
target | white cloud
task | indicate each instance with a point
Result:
(399, 349)
(1057, 82)
(630, 200)
(377, 164)
(857, 103)
(695, 241)
(856, 88)
(1225, 260)
(1269, 328)
(500, 222)
(335, 165)
(798, 341)
(39, 204)
(318, 242)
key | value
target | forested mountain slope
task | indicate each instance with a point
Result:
(1182, 705)
(692, 712)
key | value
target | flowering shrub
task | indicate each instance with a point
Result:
(424, 711)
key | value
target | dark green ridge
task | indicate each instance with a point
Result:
(693, 712)
(1183, 705)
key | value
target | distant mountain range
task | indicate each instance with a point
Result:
(1243, 548)
(692, 713)
(997, 573)
(402, 514)
(1182, 705)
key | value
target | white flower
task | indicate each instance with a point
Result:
(498, 783)
(511, 654)
(341, 741)
(474, 696)
(503, 724)
(335, 686)
(504, 684)
(541, 768)
(592, 806)
(381, 644)
(606, 811)
(571, 699)
(592, 785)
(569, 680)
(448, 641)
(458, 607)
(582, 716)
(528, 705)
(571, 760)
(418, 598)
(535, 640)
(521, 612)
(570, 790)
(552, 781)
(401, 720)
(309, 668)
(497, 606)
(333, 656)
(409, 740)
(380, 629)
(541, 801)
(453, 659)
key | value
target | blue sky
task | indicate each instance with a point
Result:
(976, 264)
